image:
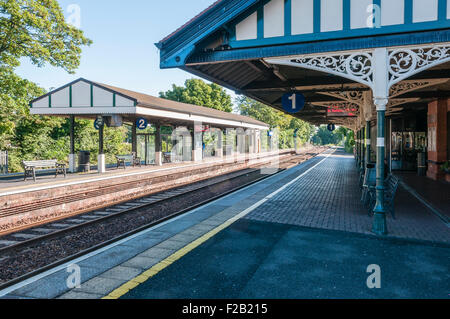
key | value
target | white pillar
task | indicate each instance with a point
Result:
(219, 150)
(381, 99)
(101, 163)
(158, 158)
(197, 146)
(72, 163)
(230, 140)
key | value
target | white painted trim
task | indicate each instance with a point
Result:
(274, 19)
(83, 110)
(247, 29)
(195, 118)
(380, 142)
(145, 111)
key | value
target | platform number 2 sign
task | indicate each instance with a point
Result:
(141, 123)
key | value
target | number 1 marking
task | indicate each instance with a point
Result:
(293, 98)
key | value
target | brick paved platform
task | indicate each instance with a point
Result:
(436, 193)
(14, 183)
(196, 255)
(328, 197)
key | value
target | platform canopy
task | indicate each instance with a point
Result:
(321, 48)
(84, 98)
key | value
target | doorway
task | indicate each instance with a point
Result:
(146, 148)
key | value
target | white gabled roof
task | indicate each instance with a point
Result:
(83, 97)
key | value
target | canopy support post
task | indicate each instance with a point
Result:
(101, 154)
(72, 156)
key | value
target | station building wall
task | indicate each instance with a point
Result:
(438, 138)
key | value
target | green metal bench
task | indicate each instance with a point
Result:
(368, 184)
(390, 189)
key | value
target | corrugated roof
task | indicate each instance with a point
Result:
(145, 100)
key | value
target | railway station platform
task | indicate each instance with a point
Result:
(301, 233)
(13, 183)
(25, 203)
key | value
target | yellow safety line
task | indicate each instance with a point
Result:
(133, 283)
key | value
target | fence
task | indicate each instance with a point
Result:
(3, 162)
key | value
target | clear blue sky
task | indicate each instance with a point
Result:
(123, 53)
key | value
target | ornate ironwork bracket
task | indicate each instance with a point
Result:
(406, 62)
(359, 66)
(356, 66)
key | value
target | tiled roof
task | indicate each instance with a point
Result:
(145, 100)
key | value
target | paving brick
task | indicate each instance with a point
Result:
(100, 286)
(121, 273)
(329, 197)
(141, 262)
(74, 294)
(157, 253)
(171, 244)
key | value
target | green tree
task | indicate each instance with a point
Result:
(325, 137)
(37, 29)
(200, 93)
(287, 124)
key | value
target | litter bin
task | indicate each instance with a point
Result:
(84, 158)
(421, 164)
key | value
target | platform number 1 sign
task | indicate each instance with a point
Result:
(293, 102)
(141, 123)
(331, 127)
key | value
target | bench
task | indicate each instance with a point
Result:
(31, 166)
(390, 189)
(130, 158)
(368, 184)
(167, 157)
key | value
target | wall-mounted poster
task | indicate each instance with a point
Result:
(431, 139)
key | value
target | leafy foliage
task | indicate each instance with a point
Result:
(286, 124)
(37, 29)
(341, 136)
(198, 92)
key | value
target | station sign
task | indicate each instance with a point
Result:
(293, 102)
(99, 122)
(331, 127)
(141, 123)
(201, 128)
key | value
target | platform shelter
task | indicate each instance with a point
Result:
(114, 107)
(379, 67)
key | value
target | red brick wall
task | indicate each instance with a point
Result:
(437, 137)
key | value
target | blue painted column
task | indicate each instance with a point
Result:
(379, 222)
(363, 143)
(72, 157)
(367, 141)
(381, 97)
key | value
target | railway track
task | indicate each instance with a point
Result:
(34, 237)
(28, 208)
